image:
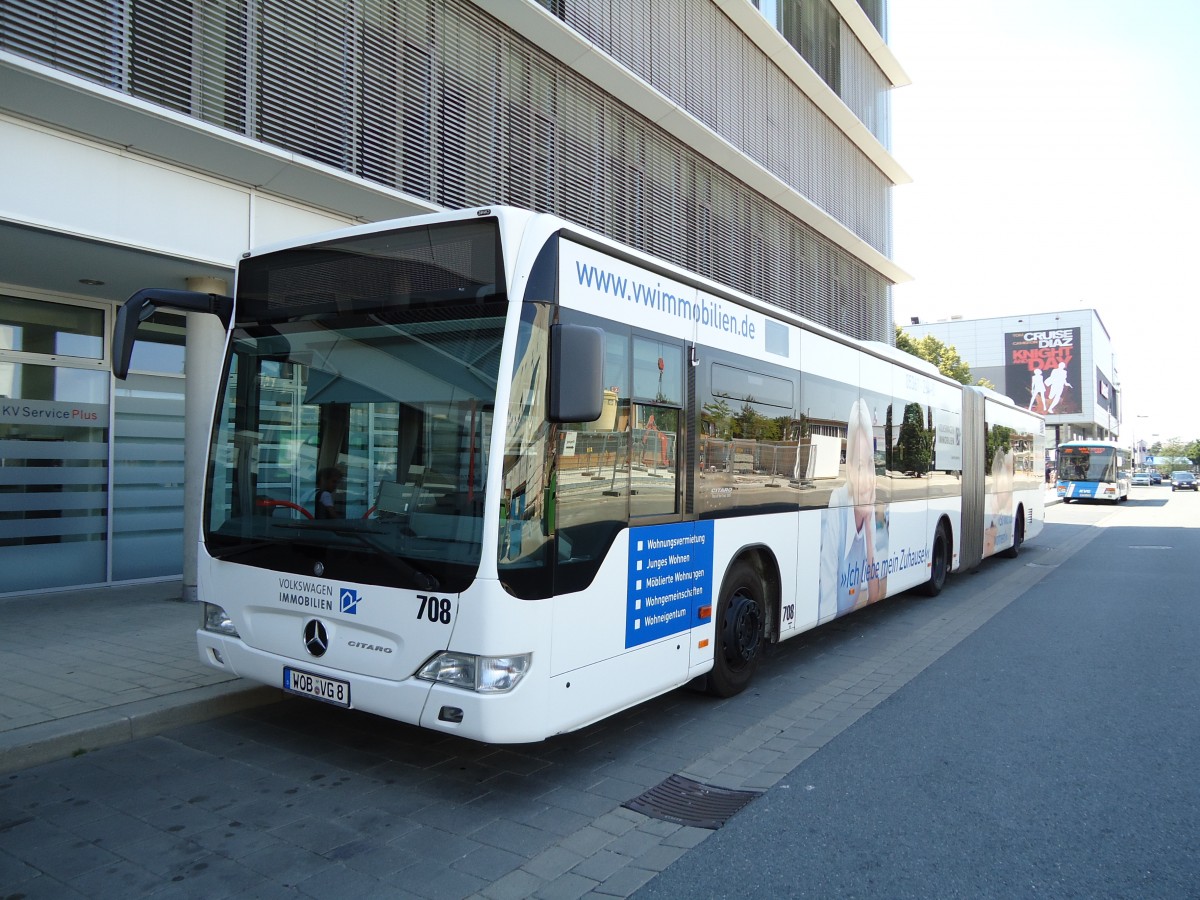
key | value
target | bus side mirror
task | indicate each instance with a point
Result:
(145, 303)
(576, 373)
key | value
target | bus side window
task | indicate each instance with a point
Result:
(592, 470)
(658, 375)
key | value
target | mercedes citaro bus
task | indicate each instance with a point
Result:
(496, 475)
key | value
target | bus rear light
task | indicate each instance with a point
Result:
(215, 619)
(482, 674)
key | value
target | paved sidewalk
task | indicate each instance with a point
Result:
(91, 668)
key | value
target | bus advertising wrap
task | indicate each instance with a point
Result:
(1041, 371)
(670, 578)
(605, 286)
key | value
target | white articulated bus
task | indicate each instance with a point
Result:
(495, 475)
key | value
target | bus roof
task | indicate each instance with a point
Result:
(550, 224)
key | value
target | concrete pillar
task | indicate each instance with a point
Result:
(202, 370)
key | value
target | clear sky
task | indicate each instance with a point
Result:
(1054, 147)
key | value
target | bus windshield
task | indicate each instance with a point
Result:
(357, 406)
(1087, 464)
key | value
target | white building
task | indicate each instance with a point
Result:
(150, 144)
(1061, 364)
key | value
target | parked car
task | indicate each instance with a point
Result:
(1183, 481)
(1141, 478)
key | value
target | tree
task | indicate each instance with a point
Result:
(942, 355)
(915, 446)
(1172, 450)
(717, 418)
(1192, 451)
(753, 425)
(889, 461)
(999, 438)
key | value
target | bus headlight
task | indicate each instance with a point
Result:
(482, 674)
(217, 620)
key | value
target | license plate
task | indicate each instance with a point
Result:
(329, 690)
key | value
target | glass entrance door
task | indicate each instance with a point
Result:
(54, 422)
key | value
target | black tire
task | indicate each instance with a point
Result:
(1018, 537)
(939, 564)
(741, 627)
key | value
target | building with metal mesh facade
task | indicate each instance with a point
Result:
(449, 103)
(149, 143)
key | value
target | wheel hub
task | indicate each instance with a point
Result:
(742, 629)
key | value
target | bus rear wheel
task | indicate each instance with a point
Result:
(1018, 536)
(939, 564)
(741, 631)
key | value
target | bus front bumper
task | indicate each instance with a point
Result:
(509, 718)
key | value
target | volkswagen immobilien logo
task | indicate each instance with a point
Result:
(316, 639)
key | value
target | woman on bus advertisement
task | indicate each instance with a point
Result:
(854, 531)
(998, 504)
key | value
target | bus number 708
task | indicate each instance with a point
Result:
(433, 608)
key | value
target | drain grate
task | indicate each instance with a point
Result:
(688, 802)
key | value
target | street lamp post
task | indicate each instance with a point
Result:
(1138, 453)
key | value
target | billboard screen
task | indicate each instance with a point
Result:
(1041, 371)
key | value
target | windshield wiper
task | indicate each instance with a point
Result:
(231, 552)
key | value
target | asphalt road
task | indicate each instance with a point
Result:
(1053, 753)
(1030, 732)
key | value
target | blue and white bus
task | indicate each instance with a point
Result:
(496, 475)
(1093, 470)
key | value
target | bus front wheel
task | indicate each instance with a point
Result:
(741, 631)
(939, 564)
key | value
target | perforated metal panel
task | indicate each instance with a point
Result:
(437, 99)
(735, 89)
(865, 87)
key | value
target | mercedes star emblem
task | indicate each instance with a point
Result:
(319, 569)
(316, 640)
